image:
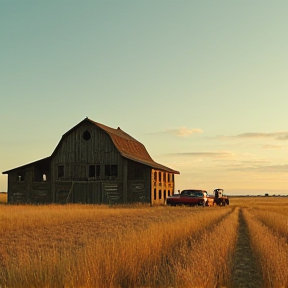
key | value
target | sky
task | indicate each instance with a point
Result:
(202, 84)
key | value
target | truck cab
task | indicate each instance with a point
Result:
(190, 197)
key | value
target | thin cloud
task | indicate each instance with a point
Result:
(182, 131)
(272, 147)
(257, 166)
(256, 135)
(218, 154)
(274, 169)
(275, 135)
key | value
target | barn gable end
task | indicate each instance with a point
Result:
(95, 164)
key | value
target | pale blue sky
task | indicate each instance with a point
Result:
(202, 84)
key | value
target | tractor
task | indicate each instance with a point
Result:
(219, 198)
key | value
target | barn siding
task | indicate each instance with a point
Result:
(41, 192)
(138, 185)
(89, 143)
(19, 189)
(27, 188)
(76, 155)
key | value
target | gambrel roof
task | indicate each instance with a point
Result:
(127, 146)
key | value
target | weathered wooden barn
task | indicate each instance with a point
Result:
(92, 164)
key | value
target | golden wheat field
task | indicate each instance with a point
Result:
(3, 198)
(241, 245)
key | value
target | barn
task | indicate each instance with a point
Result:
(93, 164)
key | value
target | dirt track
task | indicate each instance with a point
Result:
(246, 273)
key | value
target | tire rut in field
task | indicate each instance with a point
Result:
(245, 271)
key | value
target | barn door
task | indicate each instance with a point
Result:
(112, 193)
(88, 193)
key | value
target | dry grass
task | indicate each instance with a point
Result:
(206, 261)
(271, 211)
(275, 220)
(3, 198)
(271, 249)
(90, 246)
(262, 203)
(137, 246)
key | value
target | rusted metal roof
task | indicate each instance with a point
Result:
(130, 148)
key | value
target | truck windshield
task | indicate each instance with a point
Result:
(192, 193)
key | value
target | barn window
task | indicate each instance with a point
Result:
(111, 170)
(160, 194)
(86, 135)
(39, 175)
(155, 194)
(160, 174)
(21, 176)
(94, 171)
(60, 171)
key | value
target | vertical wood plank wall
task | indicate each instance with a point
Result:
(81, 147)
(76, 155)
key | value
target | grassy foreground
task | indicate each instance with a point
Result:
(140, 246)
(3, 198)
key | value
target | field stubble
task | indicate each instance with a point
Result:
(88, 246)
(3, 198)
(140, 246)
(267, 222)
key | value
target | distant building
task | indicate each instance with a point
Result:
(94, 164)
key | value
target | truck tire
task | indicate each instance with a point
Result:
(201, 203)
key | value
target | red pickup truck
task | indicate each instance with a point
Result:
(190, 197)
